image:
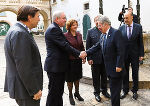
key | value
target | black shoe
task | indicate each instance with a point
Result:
(123, 95)
(72, 102)
(106, 94)
(135, 96)
(77, 95)
(98, 98)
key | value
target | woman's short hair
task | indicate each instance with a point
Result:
(69, 23)
(26, 10)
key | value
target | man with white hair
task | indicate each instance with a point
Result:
(111, 43)
(57, 60)
(96, 61)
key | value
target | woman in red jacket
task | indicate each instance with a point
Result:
(74, 73)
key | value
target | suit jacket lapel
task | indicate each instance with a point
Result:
(133, 31)
(125, 32)
(108, 38)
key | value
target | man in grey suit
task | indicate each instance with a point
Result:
(24, 75)
(97, 63)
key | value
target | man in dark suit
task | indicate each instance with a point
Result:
(24, 75)
(134, 51)
(111, 43)
(57, 60)
(97, 64)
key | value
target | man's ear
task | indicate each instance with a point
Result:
(29, 17)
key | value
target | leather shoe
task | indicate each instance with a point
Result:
(135, 96)
(123, 95)
(106, 94)
(98, 98)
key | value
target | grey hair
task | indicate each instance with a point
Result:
(104, 19)
(57, 14)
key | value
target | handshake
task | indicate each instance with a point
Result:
(83, 55)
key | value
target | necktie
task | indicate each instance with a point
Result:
(129, 35)
(103, 41)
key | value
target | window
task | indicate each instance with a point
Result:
(54, 1)
(86, 6)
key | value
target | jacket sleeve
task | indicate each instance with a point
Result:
(23, 56)
(141, 50)
(93, 49)
(59, 39)
(88, 44)
(119, 43)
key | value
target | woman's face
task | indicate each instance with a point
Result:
(74, 27)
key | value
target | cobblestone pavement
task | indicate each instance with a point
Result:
(86, 91)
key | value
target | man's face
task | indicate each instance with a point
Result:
(102, 27)
(61, 20)
(34, 20)
(128, 18)
(130, 10)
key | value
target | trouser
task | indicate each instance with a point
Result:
(56, 89)
(99, 78)
(135, 70)
(115, 89)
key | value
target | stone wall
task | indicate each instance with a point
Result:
(146, 41)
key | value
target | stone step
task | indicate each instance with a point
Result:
(142, 84)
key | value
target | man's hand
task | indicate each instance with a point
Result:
(141, 58)
(90, 62)
(83, 54)
(118, 69)
(38, 95)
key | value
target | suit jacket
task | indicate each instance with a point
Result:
(24, 75)
(113, 53)
(58, 50)
(133, 46)
(77, 43)
(93, 36)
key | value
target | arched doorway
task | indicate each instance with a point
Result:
(4, 27)
(86, 25)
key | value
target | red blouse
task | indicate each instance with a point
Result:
(77, 42)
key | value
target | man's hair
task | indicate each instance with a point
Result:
(104, 19)
(98, 16)
(57, 14)
(131, 8)
(70, 23)
(26, 11)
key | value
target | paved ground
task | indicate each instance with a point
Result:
(85, 90)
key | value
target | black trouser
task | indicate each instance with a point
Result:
(99, 78)
(28, 102)
(115, 89)
(135, 70)
(56, 89)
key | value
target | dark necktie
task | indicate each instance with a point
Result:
(129, 35)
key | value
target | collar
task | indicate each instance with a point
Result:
(107, 31)
(24, 26)
(130, 25)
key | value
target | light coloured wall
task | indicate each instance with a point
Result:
(111, 8)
